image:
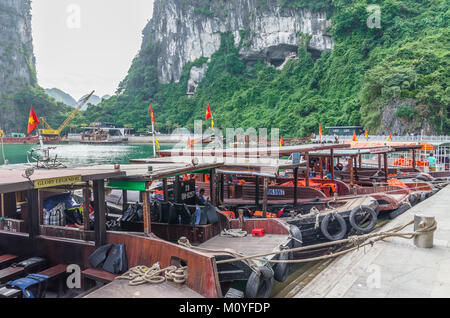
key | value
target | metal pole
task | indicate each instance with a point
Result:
(154, 139)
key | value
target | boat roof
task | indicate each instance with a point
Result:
(12, 177)
(251, 152)
(352, 152)
(397, 146)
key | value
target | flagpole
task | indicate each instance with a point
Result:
(154, 139)
(3, 149)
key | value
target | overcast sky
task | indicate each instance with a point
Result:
(85, 45)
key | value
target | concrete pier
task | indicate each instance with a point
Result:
(395, 268)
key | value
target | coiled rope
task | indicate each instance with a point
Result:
(142, 275)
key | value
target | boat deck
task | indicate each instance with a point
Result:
(122, 289)
(247, 245)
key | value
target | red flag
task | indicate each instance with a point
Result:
(354, 136)
(152, 114)
(366, 135)
(320, 131)
(208, 113)
(33, 121)
(390, 136)
(281, 141)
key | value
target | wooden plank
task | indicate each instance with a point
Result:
(33, 213)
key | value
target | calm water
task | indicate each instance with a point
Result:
(81, 154)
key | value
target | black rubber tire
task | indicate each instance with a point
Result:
(413, 198)
(259, 286)
(281, 270)
(295, 232)
(372, 223)
(405, 207)
(423, 196)
(324, 227)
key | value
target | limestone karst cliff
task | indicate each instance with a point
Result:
(290, 64)
(17, 63)
(188, 30)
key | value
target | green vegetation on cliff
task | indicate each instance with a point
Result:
(368, 69)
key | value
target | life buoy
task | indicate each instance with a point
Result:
(259, 286)
(340, 166)
(343, 227)
(281, 270)
(363, 210)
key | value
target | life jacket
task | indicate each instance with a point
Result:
(241, 182)
(329, 185)
(206, 178)
(287, 184)
(160, 195)
(396, 182)
(269, 215)
(230, 214)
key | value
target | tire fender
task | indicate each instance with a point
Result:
(281, 270)
(297, 234)
(372, 223)
(324, 227)
(259, 286)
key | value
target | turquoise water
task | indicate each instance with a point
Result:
(82, 154)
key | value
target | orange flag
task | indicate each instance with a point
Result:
(208, 113)
(354, 136)
(390, 136)
(281, 141)
(366, 135)
(33, 121)
(152, 114)
(320, 131)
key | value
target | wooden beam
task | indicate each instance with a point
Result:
(222, 187)
(414, 158)
(99, 213)
(124, 200)
(176, 190)
(86, 203)
(33, 213)
(352, 175)
(332, 164)
(307, 169)
(379, 162)
(212, 188)
(266, 188)
(257, 192)
(296, 186)
(321, 167)
(147, 213)
(385, 167)
(355, 168)
(165, 191)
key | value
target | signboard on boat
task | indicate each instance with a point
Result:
(58, 181)
(278, 192)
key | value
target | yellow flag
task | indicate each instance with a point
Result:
(212, 124)
(157, 144)
(1, 133)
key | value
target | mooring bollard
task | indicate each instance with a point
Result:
(421, 222)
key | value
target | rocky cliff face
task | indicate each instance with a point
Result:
(188, 30)
(17, 62)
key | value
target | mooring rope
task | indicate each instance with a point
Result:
(356, 241)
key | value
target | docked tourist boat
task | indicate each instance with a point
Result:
(30, 210)
(19, 139)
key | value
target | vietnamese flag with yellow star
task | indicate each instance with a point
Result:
(33, 121)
